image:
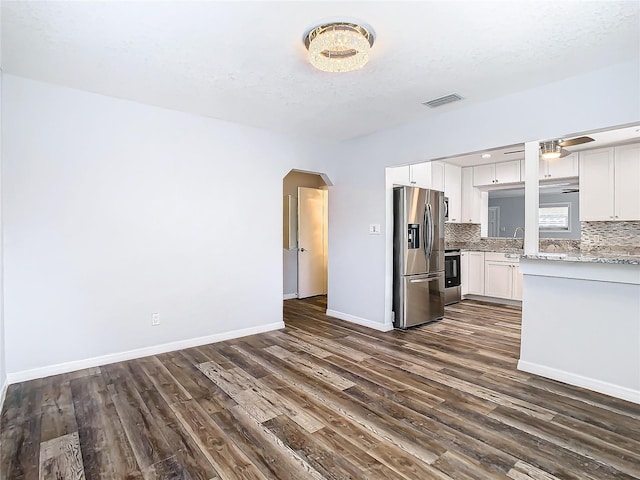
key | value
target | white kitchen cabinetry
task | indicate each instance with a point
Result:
(472, 270)
(565, 167)
(437, 176)
(609, 179)
(417, 175)
(496, 173)
(464, 273)
(471, 198)
(627, 182)
(452, 190)
(502, 278)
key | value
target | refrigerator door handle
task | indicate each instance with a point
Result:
(429, 225)
(425, 222)
(423, 280)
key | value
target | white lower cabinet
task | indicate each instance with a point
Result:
(502, 278)
(472, 269)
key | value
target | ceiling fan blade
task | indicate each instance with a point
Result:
(564, 153)
(515, 151)
(575, 141)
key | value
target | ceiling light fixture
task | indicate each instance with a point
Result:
(550, 150)
(339, 47)
(486, 155)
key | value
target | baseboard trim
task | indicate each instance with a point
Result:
(290, 296)
(382, 327)
(611, 389)
(67, 367)
(501, 301)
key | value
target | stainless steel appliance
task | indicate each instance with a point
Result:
(418, 256)
(452, 279)
(446, 209)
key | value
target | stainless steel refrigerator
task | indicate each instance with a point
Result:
(418, 256)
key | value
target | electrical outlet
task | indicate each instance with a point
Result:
(374, 229)
(155, 319)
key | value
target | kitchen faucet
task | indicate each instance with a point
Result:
(515, 232)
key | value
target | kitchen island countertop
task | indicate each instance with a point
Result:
(612, 258)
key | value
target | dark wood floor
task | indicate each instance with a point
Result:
(323, 399)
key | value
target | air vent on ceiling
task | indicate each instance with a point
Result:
(437, 102)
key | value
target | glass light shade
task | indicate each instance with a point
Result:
(339, 47)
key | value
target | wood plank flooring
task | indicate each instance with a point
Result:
(323, 399)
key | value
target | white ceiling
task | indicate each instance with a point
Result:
(245, 61)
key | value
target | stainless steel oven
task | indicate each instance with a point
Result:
(452, 289)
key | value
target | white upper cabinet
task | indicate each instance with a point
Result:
(437, 176)
(421, 175)
(418, 175)
(399, 175)
(496, 173)
(627, 182)
(424, 175)
(484, 175)
(559, 168)
(609, 179)
(452, 190)
(471, 198)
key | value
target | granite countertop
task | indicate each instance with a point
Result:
(514, 251)
(580, 257)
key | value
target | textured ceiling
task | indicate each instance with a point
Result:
(245, 61)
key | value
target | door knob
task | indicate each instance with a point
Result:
(303, 249)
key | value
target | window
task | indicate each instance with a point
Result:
(555, 217)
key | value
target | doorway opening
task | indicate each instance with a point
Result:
(305, 234)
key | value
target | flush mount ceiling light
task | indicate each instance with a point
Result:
(339, 46)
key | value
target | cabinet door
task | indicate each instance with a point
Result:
(484, 175)
(543, 172)
(596, 185)
(452, 189)
(464, 272)
(627, 182)
(437, 176)
(399, 175)
(498, 279)
(517, 282)
(563, 167)
(471, 197)
(508, 172)
(476, 273)
(421, 175)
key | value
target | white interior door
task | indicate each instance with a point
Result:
(494, 221)
(311, 242)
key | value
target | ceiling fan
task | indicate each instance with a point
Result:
(555, 148)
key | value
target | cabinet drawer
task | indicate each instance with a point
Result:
(499, 257)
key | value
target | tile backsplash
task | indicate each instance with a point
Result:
(461, 232)
(596, 237)
(610, 237)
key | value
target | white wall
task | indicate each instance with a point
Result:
(114, 210)
(3, 370)
(359, 268)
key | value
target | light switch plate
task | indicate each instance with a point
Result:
(374, 229)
